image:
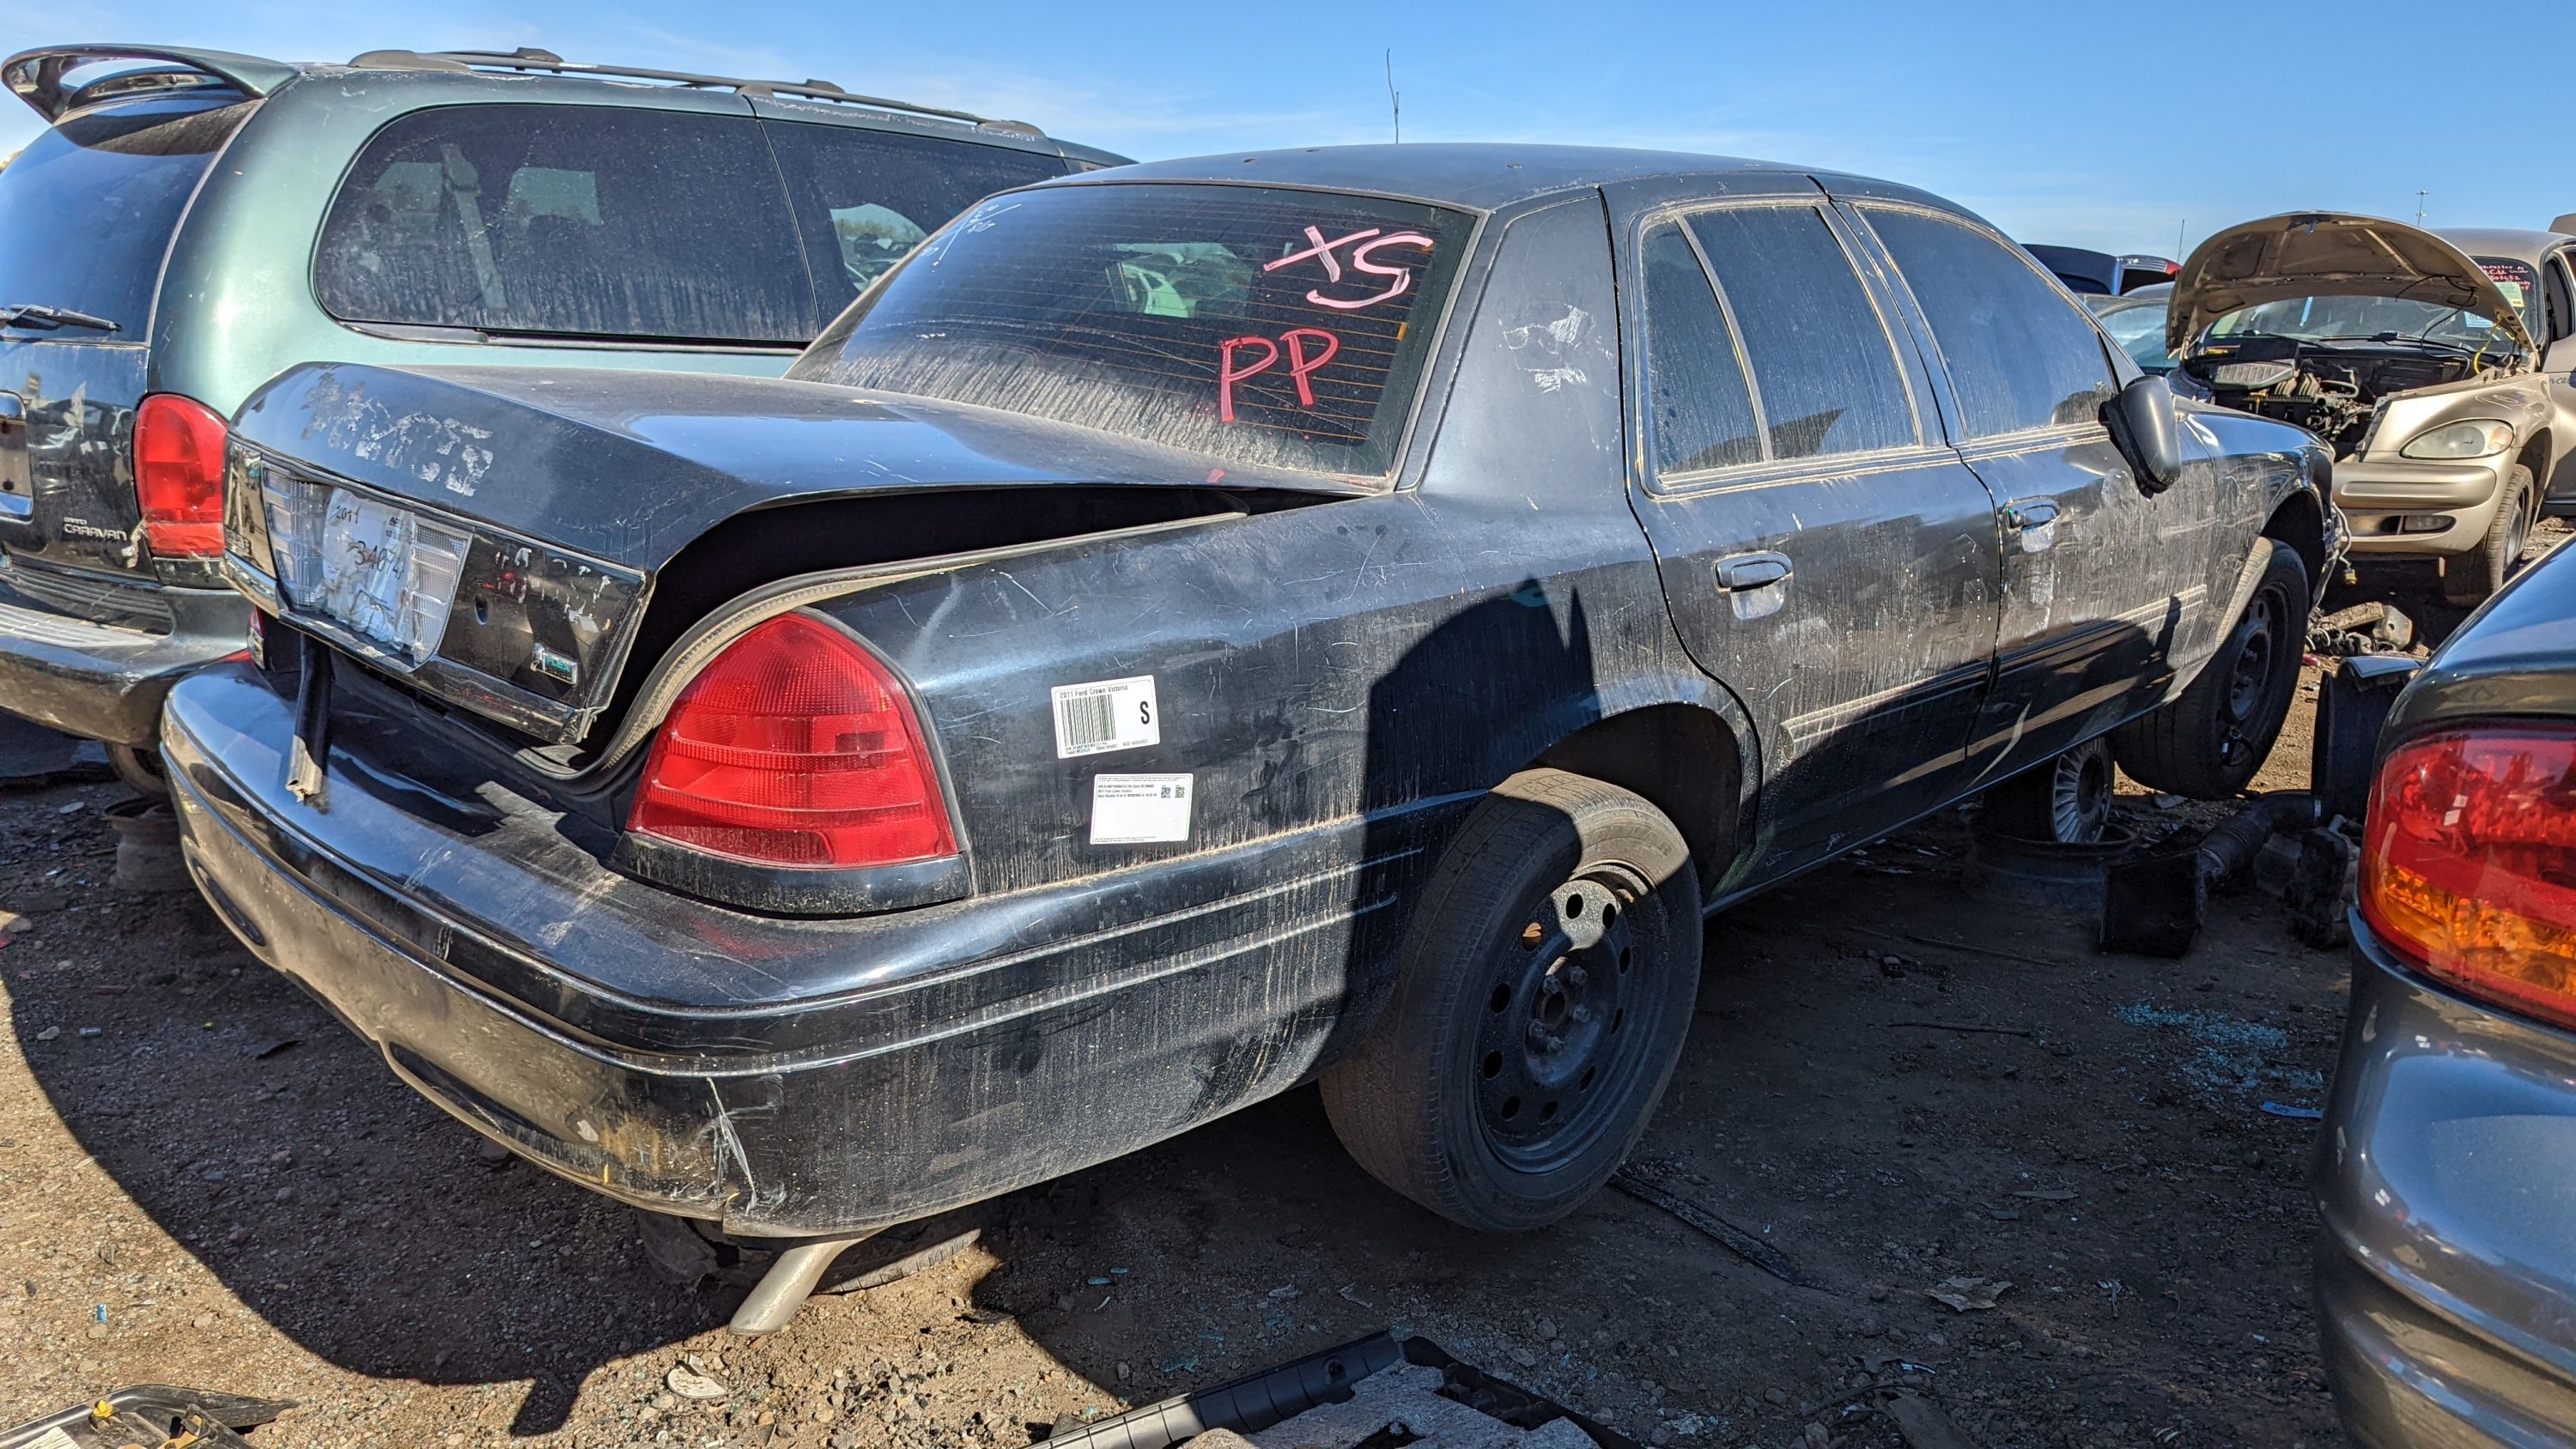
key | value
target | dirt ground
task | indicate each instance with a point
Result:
(1889, 1080)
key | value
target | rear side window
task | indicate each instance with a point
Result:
(867, 197)
(2020, 354)
(1284, 329)
(88, 209)
(1822, 362)
(589, 221)
(1703, 410)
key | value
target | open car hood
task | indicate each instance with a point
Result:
(2328, 254)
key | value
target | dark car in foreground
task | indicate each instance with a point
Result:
(1196, 628)
(2446, 1278)
(192, 222)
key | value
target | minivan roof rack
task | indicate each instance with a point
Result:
(529, 58)
(37, 76)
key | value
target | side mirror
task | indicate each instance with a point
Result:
(2142, 424)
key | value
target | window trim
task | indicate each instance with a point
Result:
(1766, 470)
(1967, 441)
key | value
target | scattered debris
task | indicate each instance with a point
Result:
(2304, 1114)
(1967, 1295)
(1921, 940)
(2375, 627)
(1643, 1181)
(2321, 888)
(690, 1384)
(2047, 1194)
(1964, 1026)
(2153, 904)
(1285, 1292)
(1923, 1424)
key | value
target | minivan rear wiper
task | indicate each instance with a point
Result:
(51, 319)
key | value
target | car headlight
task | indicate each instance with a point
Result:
(2460, 440)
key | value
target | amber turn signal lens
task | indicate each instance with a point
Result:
(2469, 863)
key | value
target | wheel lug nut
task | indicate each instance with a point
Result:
(1582, 1013)
(1574, 976)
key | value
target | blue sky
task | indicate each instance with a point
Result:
(2201, 116)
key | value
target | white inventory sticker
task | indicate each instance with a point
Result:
(1139, 809)
(1111, 714)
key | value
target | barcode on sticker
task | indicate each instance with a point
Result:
(1110, 714)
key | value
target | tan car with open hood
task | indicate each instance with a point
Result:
(2439, 367)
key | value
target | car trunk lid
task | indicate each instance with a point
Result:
(493, 536)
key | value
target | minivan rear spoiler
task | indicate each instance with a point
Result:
(36, 76)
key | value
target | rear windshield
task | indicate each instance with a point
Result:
(591, 221)
(1276, 328)
(87, 210)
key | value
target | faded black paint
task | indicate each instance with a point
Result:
(1343, 677)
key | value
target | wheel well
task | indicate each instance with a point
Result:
(2535, 456)
(2301, 524)
(1680, 757)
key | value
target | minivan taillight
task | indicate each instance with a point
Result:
(2469, 863)
(179, 476)
(795, 747)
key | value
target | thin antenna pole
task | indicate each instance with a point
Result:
(2419, 206)
(2178, 231)
(1394, 102)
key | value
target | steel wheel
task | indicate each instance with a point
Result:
(2259, 650)
(1549, 1060)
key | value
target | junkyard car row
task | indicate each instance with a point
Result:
(1178, 631)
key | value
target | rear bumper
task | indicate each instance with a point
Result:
(2446, 1276)
(785, 1078)
(2378, 496)
(103, 682)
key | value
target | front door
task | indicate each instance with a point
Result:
(2105, 589)
(1824, 555)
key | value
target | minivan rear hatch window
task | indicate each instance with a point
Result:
(88, 209)
(1276, 328)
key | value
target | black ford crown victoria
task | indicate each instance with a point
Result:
(1194, 629)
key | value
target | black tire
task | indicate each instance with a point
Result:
(2067, 800)
(2208, 741)
(1546, 985)
(2470, 577)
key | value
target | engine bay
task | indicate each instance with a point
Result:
(2330, 390)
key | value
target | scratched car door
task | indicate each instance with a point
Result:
(2100, 581)
(1824, 555)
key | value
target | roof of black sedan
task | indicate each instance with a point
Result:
(1483, 175)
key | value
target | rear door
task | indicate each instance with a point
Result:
(2099, 580)
(87, 212)
(1824, 554)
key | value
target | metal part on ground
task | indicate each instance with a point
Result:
(788, 1283)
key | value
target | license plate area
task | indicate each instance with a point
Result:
(381, 571)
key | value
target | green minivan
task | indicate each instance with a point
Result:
(192, 222)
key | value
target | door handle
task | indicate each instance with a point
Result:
(1751, 571)
(2031, 513)
(2033, 523)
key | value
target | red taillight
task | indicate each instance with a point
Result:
(2469, 863)
(796, 747)
(179, 476)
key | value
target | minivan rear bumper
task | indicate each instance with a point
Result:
(105, 682)
(783, 1078)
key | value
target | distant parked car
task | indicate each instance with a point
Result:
(191, 222)
(2440, 367)
(2446, 1164)
(2137, 323)
(2100, 274)
(1193, 629)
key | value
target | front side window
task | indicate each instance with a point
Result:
(88, 209)
(1274, 328)
(1823, 364)
(867, 197)
(2020, 355)
(581, 221)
